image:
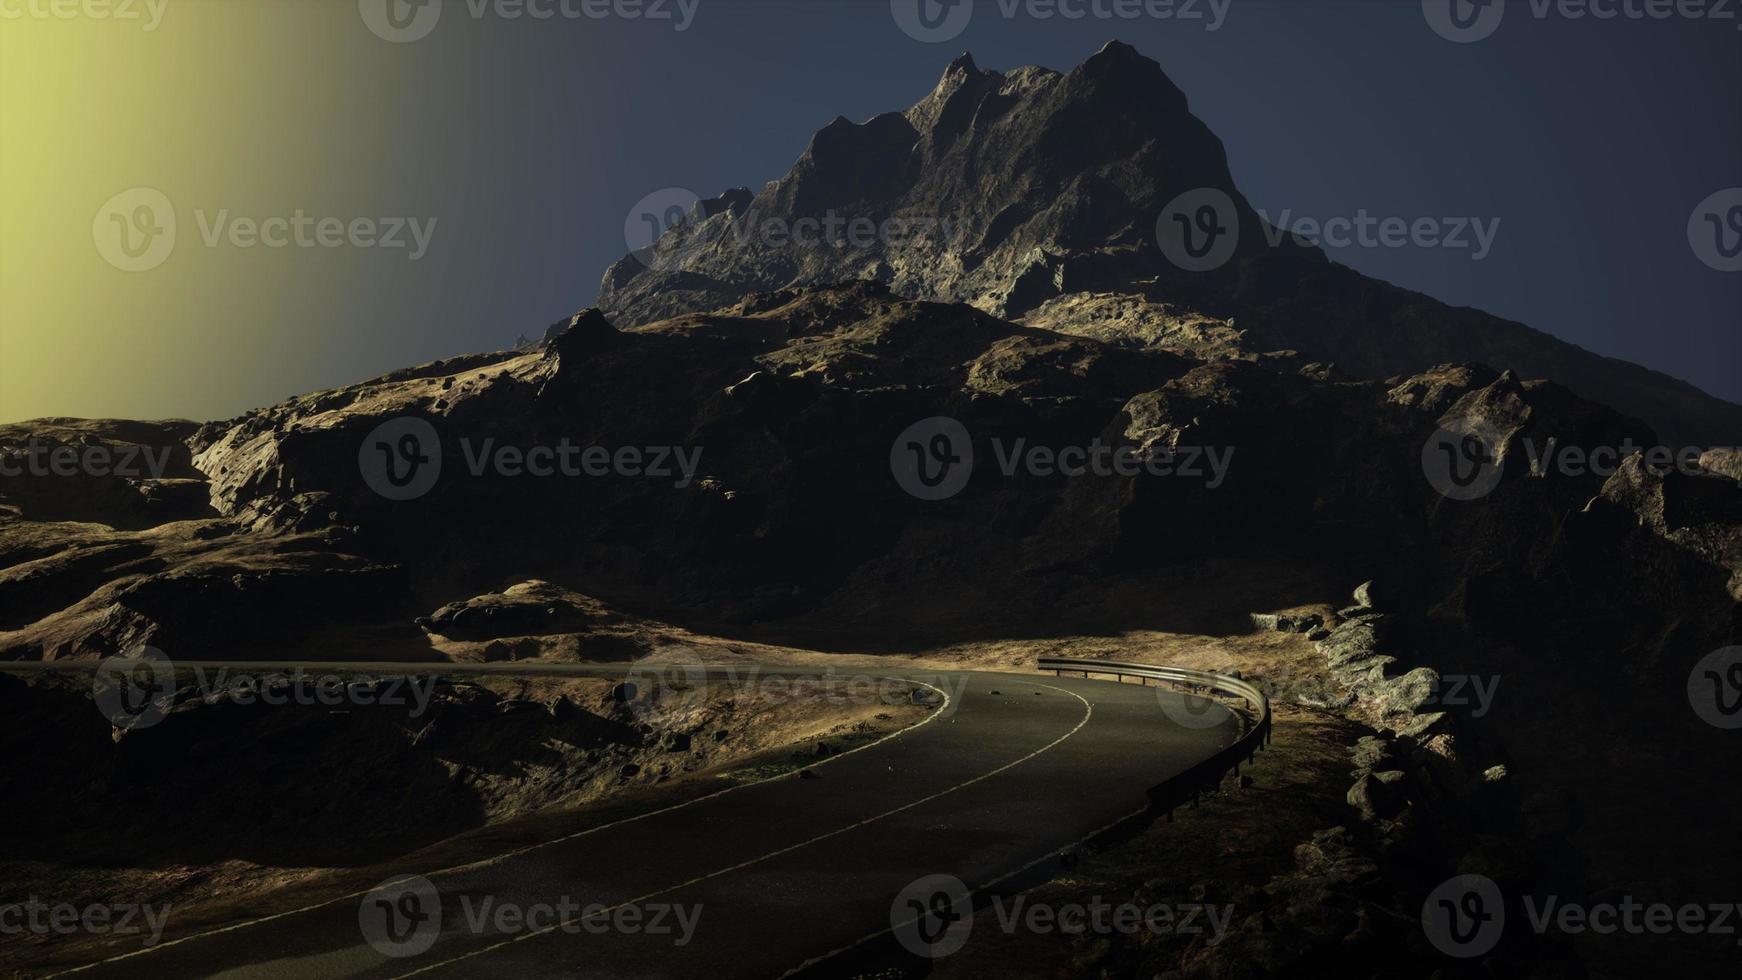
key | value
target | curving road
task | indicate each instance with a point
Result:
(763, 880)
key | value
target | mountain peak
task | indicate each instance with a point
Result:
(1014, 173)
(1122, 69)
(1030, 193)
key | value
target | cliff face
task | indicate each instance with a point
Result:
(1042, 196)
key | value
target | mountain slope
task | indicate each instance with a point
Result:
(1035, 195)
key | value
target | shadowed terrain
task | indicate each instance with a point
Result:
(775, 399)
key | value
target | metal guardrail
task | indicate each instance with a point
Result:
(1205, 776)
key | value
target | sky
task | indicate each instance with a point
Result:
(352, 192)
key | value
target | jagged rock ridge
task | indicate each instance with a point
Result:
(1035, 194)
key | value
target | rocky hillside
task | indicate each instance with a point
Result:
(765, 435)
(1036, 195)
(786, 477)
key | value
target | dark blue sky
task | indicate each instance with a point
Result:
(1590, 141)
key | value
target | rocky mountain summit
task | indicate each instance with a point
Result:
(1036, 196)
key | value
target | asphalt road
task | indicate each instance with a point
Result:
(761, 880)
